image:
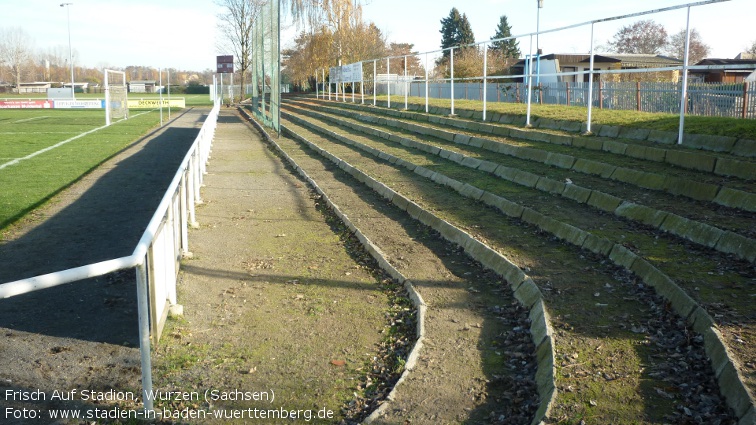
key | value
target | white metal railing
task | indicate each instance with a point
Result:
(529, 71)
(155, 258)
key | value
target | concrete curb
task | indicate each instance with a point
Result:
(693, 231)
(729, 379)
(523, 287)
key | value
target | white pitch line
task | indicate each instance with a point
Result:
(31, 119)
(49, 148)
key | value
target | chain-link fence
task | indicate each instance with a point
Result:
(266, 67)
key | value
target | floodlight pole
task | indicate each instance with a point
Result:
(538, 45)
(70, 49)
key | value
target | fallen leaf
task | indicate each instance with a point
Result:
(338, 363)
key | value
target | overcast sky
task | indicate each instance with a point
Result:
(182, 34)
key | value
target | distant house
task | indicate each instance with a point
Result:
(580, 62)
(730, 74)
(35, 87)
(142, 86)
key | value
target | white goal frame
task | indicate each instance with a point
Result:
(108, 105)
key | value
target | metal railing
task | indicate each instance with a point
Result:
(530, 73)
(155, 258)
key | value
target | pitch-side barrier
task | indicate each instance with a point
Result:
(156, 256)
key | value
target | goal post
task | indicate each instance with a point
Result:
(116, 96)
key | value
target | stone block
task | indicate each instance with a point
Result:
(549, 185)
(744, 147)
(571, 234)
(700, 320)
(532, 154)
(639, 178)
(634, 133)
(477, 141)
(462, 139)
(622, 256)
(533, 217)
(641, 213)
(715, 349)
(681, 302)
(609, 131)
(456, 157)
(663, 137)
(471, 192)
(594, 167)
(733, 243)
(733, 167)
(691, 160)
(692, 189)
(573, 126)
(733, 390)
(576, 193)
(500, 131)
(735, 198)
(526, 178)
(587, 142)
(507, 149)
(527, 293)
(506, 173)
(604, 201)
(487, 166)
(655, 154)
(597, 244)
(635, 151)
(615, 147)
(560, 160)
(471, 162)
(709, 142)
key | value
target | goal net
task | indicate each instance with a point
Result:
(116, 96)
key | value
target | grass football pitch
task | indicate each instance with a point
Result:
(43, 151)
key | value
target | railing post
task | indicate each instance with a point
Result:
(684, 91)
(388, 83)
(638, 95)
(529, 82)
(406, 87)
(184, 222)
(485, 75)
(568, 93)
(426, 83)
(375, 81)
(601, 94)
(144, 335)
(451, 56)
(590, 88)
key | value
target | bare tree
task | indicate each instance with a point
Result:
(236, 23)
(698, 49)
(16, 50)
(752, 48)
(641, 37)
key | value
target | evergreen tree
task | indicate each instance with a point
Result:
(449, 30)
(466, 35)
(507, 48)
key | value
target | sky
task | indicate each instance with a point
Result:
(183, 34)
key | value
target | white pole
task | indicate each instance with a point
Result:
(144, 335)
(107, 99)
(590, 88)
(316, 84)
(388, 83)
(485, 78)
(70, 48)
(684, 94)
(169, 94)
(452, 81)
(406, 89)
(160, 83)
(530, 80)
(426, 82)
(375, 81)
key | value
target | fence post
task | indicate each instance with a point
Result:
(745, 99)
(540, 93)
(144, 335)
(568, 93)
(388, 83)
(426, 83)
(637, 95)
(684, 91)
(375, 81)
(601, 94)
(452, 80)
(485, 75)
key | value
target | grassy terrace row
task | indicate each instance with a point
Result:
(599, 333)
(681, 261)
(735, 220)
(627, 161)
(727, 127)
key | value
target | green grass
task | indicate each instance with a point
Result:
(734, 127)
(31, 182)
(191, 99)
